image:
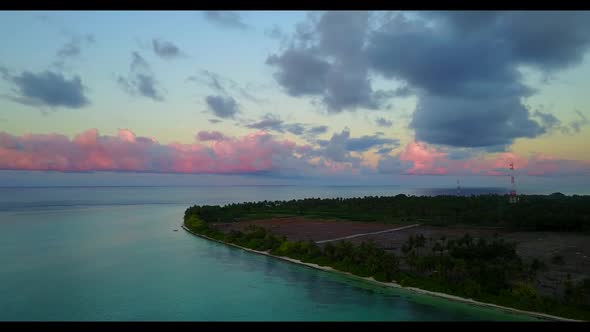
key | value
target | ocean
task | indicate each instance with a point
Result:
(112, 254)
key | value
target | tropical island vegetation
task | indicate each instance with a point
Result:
(556, 212)
(484, 270)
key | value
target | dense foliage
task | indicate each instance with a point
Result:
(489, 271)
(554, 212)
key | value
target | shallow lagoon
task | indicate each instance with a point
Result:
(113, 254)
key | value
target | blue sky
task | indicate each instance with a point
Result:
(365, 96)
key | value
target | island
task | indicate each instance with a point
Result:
(531, 256)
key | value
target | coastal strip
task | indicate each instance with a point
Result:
(365, 234)
(393, 284)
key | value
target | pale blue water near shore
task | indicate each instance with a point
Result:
(91, 253)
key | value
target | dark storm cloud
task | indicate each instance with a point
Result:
(548, 120)
(403, 91)
(295, 128)
(335, 148)
(76, 41)
(382, 122)
(146, 85)
(577, 125)
(465, 21)
(551, 123)
(322, 142)
(47, 89)
(317, 130)
(214, 81)
(165, 49)
(367, 142)
(223, 85)
(344, 142)
(326, 60)
(466, 68)
(141, 80)
(227, 19)
(462, 66)
(465, 153)
(546, 39)
(268, 122)
(211, 136)
(312, 132)
(384, 150)
(300, 73)
(340, 147)
(393, 165)
(223, 107)
(73, 48)
(461, 122)
(272, 122)
(441, 64)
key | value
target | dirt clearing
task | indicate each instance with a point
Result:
(301, 228)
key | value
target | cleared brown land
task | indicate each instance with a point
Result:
(301, 228)
(394, 240)
(545, 246)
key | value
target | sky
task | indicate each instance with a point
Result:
(417, 97)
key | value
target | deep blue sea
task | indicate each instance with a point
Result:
(111, 253)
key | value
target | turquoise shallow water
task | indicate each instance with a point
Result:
(112, 254)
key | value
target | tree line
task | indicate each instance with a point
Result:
(556, 212)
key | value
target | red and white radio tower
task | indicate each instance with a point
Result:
(513, 198)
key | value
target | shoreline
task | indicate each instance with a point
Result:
(393, 284)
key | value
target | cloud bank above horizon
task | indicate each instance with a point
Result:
(259, 152)
(302, 94)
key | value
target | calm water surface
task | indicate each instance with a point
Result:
(112, 254)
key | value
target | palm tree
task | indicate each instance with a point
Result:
(437, 247)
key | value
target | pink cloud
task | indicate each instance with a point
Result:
(89, 151)
(252, 153)
(427, 160)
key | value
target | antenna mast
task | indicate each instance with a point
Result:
(513, 198)
(458, 188)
